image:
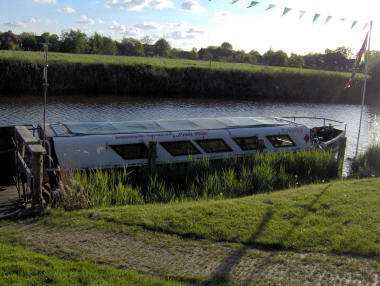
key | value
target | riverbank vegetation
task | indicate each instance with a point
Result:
(197, 180)
(366, 164)
(161, 77)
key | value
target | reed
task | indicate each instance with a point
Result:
(206, 179)
(367, 164)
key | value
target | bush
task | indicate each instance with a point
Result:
(367, 164)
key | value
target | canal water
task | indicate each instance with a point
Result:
(28, 110)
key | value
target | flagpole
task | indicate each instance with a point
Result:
(364, 87)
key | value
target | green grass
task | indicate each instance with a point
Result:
(54, 58)
(136, 76)
(199, 179)
(367, 164)
(340, 216)
(22, 267)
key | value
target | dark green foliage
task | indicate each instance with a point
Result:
(21, 72)
(367, 164)
(205, 179)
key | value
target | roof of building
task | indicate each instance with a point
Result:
(168, 125)
(12, 35)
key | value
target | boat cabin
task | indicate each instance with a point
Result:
(116, 144)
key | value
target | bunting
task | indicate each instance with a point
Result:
(286, 10)
(253, 3)
(328, 19)
(316, 16)
(301, 13)
(358, 60)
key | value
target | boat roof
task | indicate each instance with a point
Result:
(166, 125)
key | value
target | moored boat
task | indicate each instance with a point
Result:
(89, 145)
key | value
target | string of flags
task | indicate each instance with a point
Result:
(286, 10)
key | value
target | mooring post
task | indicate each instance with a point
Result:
(37, 170)
(152, 156)
(260, 145)
(341, 152)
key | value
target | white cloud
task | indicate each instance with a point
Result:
(192, 6)
(221, 17)
(100, 21)
(160, 4)
(132, 32)
(139, 4)
(45, 1)
(33, 21)
(148, 26)
(195, 31)
(178, 35)
(67, 10)
(50, 21)
(15, 24)
(181, 24)
(118, 28)
(84, 20)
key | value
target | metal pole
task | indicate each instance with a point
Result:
(364, 87)
(45, 85)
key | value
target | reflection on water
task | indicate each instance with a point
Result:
(28, 110)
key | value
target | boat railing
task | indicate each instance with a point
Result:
(326, 121)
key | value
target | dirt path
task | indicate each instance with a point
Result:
(192, 260)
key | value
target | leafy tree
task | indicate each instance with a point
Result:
(278, 58)
(130, 47)
(256, 57)
(226, 46)
(146, 40)
(54, 43)
(29, 41)
(74, 41)
(162, 48)
(296, 61)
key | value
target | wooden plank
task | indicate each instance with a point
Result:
(38, 149)
(25, 169)
(26, 136)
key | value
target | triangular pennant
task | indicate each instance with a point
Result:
(270, 6)
(316, 16)
(286, 10)
(302, 12)
(253, 3)
(353, 24)
(328, 19)
(342, 19)
(233, 1)
(365, 26)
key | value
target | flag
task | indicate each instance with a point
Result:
(302, 12)
(286, 10)
(358, 60)
(316, 16)
(328, 19)
(353, 24)
(270, 6)
(253, 3)
(233, 1)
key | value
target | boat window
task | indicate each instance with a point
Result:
(214, 145)
(247, 143)
(180, 148)
(279, 141)
(131, 151)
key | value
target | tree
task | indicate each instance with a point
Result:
(130, 47)
(162, 48)
(74, 41)
(146, 40)
(278, 58)
(256, 57)
(54, 43)
(226, 46)
(296, 61)
(29, 41)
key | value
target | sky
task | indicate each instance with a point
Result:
(201, 23)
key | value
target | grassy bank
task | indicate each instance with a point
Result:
(199, 179)
(340, 217)
(366, 164)
(21, 73)
(22, 267)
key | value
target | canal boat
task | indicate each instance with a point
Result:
(88, 145)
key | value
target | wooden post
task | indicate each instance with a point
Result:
(260, 145)
(37, 163)
(152, 156)
(341, 151)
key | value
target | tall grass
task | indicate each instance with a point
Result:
(367, 164)
(205, 179)
(21, 72)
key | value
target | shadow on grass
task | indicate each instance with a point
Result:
(225, 267)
